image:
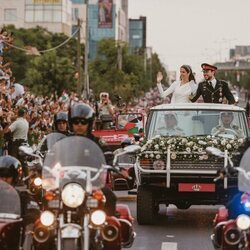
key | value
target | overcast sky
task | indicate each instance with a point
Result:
(193, 31)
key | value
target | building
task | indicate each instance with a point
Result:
(137, 34)
(107, 19)
(55, 15)
(240, 52)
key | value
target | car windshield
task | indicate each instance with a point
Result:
(229, 124)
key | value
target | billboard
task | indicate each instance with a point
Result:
(105, 17)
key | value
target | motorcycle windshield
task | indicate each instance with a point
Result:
(50, 139)
(75, 159)
(10, 205)
(53, 138)
(243, 180)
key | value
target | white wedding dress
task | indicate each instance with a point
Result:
(180, 92)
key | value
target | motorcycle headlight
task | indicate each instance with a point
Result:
(47, 218)
(38, 181)
(98, 217)
(243, 222)
(159, 165)
(73, 195)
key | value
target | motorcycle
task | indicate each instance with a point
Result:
(232, 223)
(10, 218)
(73, 174)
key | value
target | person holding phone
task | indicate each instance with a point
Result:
(105, 106)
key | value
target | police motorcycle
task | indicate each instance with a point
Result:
(33, 161)
(10, 218)
(73, 173)
(232, 223)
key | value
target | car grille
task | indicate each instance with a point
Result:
(188, 164)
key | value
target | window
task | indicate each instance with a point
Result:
(10, 15)
(75, 14)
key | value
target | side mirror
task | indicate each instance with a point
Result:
(215, 151)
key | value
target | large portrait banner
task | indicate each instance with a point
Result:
(105, 17)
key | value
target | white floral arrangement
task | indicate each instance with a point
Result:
(193, 147)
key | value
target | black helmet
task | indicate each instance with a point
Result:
(82, 111)
(60, 116)
(126, 142)
(10, 167)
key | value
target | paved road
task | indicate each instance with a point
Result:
(179, 229)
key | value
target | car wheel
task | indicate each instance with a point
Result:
(183, 205)
(145, 206)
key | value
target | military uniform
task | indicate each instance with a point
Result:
(214, 95)
(238, 131)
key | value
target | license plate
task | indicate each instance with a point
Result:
(196, 187)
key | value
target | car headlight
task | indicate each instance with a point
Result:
(98, 217)
(73, 195)
(47, 218)
(159, 165)
(243, 222)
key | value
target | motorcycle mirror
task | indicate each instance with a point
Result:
(132, 148)
(215, 151)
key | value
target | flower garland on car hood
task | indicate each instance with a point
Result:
(186, 147)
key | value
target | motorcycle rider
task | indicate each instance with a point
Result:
(61, 123)
(81, 119)
(11, 172)
(60, 126)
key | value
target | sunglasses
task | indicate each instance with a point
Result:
(104, 95)
(80, 121)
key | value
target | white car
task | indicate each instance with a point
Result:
(173, 166)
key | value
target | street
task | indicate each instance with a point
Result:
(180, 229)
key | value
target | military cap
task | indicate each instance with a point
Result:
(206, 66)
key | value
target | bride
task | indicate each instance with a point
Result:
(181, 89)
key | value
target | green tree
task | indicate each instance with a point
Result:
(132, 80)
(50, 74)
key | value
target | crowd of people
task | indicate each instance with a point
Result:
(39, 111)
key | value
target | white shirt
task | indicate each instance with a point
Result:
(180, 92)
(213, 82)
(20, 129)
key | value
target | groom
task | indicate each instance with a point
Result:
(212, 89)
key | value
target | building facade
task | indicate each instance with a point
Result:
(55, 15)
(137, 34)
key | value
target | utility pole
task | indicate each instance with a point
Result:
(79, 77)
(86, 54)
